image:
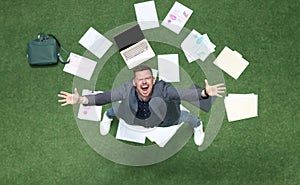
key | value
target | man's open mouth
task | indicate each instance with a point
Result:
(145, 88)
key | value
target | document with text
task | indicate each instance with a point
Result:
(80, 66)
(177, 17)
(96, 43)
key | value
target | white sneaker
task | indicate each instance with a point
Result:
(199, 135)
(105, 124)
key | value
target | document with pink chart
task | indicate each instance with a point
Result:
(177, 17)
(80, 66)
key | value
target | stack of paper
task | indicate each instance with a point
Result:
(168, 67)
(177, 17)
(146, 15)
(92, 113)
(80, 66)
(241, 106)
(162, 135)
(231, 62)
(133, 133)
(96, 43)
(197, 46)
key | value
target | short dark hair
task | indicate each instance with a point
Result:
(142, 68)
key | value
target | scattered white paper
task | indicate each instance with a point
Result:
(146, 15)
(126, 133)
(162, 135)
(96, 43)
(177, 17)
(155, 73)
(80, 66)
(197, 46)
(188, 56)
(134, 133)
(91, 113)
(241, 106)
(168, 67)
(231, 62)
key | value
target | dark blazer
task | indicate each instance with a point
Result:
(164, 103)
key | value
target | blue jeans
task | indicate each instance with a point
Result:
(185, 116)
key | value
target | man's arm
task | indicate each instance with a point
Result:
(194, 94)
(71, 99)
(97, 99)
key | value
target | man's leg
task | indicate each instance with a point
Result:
(194, 122)
(110, 113)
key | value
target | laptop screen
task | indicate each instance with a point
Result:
(129, 37)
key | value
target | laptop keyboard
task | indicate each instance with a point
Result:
(137, 49)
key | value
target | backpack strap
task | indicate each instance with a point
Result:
(60, 47)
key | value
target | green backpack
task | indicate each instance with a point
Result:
(45, 50)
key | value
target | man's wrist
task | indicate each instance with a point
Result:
(83, 100)
(204, 94)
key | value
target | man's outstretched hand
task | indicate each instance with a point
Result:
(215, 90)
(69, 99)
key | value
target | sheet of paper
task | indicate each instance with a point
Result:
(138, 134)
(96, 43)
(161, 135)
(197, 46)
(188, 56)
(146, 15)
(91, 113)
(231, 62)
(210, 46)
(168, 67)
(127, 134)
(155, 73)
(241, 106)
(80, 66)
(177, 17)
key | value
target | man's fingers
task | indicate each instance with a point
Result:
(64, 104)
(220, 85)
(64, 93)
(76, 91)
(62, 100)
(219, 95)
(206, 82)
(221, 88)
(62, 96)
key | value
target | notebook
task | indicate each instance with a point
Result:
(133, 46)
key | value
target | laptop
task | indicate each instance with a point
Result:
(133, 46)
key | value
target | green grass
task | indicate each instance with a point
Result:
(40, 141)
